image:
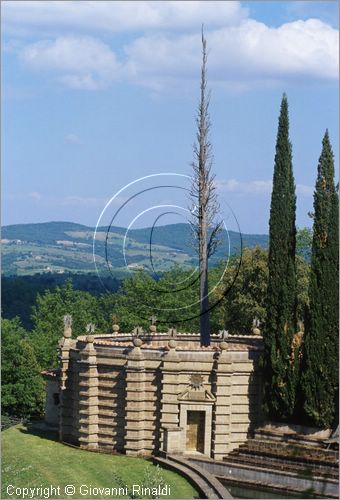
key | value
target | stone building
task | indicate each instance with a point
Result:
(141, 394)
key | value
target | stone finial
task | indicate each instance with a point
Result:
(67, 326)
(137, 342)
(172, 344)
(115, 326)
(138, 330)
(89, 339)
(256, 323)
(224, 334)
(90, 328)
(223, 346)
(172, 332)
(153, 319)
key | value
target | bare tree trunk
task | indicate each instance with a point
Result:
(203, 192)
(203, 223)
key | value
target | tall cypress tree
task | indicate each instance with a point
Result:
(320, 355)
(279, 357)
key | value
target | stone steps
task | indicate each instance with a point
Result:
(294, 452)
(312, 461)
(287, 451)
(292, 435)
(284, 465)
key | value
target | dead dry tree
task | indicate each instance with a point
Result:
(205, 206)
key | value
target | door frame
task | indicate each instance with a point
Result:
(183, 420)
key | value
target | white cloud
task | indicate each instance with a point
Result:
(34, 195)
(88, 201)
(246, 53)
(82, 201)
(257, 187)
(242, 51)
(119, 16)
(233, 185)
(72, 139)
(72, 200)
(83, 62)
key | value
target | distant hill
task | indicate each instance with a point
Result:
(63, 247)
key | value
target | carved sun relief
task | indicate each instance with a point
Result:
(196, 380)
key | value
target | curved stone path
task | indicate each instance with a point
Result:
(203, 481)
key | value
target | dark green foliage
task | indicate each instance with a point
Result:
(169, 299)
(48, 316)
(304, 239)
(280, 358)
(22, 393)
(302, 285)
(19, 293)
(246, 299)
(321, 351)
(44, 232)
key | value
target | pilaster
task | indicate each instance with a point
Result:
(221, 433)
(170, 389)
(135, 401)
(88, 396)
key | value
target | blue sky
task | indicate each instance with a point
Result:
(98, 94)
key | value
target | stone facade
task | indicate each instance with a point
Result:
(141, 395)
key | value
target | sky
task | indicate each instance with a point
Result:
(96, 95)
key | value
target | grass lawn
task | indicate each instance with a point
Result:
(34, 459)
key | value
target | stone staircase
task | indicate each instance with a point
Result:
(303, 459)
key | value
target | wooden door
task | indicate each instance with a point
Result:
(195, 431)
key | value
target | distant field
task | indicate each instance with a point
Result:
(33, 460)
(63, 247)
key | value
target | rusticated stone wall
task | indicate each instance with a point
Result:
(132, 395)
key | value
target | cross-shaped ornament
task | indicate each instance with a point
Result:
(153, 319)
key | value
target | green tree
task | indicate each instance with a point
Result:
(304, 238)
(246, 299)
(280, 359)
(135, 301)
(141, 295)
(321, 343)
(48, 316)
(22, 392)
(302, 285)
